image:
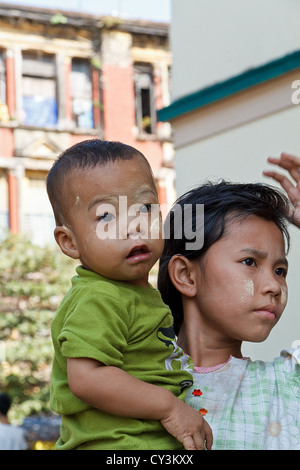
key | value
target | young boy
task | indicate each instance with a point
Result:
(118, 378)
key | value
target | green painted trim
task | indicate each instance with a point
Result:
(221, 90)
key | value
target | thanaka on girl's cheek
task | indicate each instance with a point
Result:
(248, 289)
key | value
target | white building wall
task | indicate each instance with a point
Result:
(240, 153)
(213, 40)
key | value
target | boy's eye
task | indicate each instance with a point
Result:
(106, 217)
(145, 208)
(282, 272)
(249, 262)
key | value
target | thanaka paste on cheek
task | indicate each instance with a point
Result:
(248, 289)
(284, 296)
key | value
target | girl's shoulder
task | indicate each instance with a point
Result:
(283, 369)
(288, 362)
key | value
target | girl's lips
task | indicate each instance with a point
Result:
(267, 312)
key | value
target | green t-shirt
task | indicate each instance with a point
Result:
(120, 325)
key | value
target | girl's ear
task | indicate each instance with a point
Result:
(182, 273)
(66, 241)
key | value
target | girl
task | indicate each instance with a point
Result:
(232, 290)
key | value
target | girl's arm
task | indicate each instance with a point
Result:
(112, 390)
(292, 165)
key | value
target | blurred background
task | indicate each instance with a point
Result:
(206, 89)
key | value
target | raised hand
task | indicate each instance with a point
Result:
(292, 165)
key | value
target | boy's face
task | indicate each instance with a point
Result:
(119, 238)
(242, 288)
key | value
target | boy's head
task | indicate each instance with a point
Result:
(225, 204)
(102, 194)
(79, 158)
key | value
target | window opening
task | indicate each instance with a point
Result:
(2, 79)
(145, 99)
(39, 101)
(82, 94)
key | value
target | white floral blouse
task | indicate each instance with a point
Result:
(251, 404)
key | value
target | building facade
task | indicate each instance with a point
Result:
(235, 101)
(66, 77)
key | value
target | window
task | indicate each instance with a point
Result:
(144, 99)
(39, 103)
(4, 216)
(82, 94)
(2, 79)
(4, 116)
(37, 217)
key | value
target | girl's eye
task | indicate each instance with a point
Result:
(249, 262)
(282, 272)
(106, 217)
(145, 208)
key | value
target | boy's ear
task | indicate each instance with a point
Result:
(183, 276)
(66, 241)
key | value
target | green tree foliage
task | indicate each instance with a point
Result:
(33, 281)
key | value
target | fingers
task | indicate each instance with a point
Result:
(288, 162)
(287, 157)
(286, 184)
(208, 435)
(188, 426)
(200, 440)
(291, 164)
(190, 444)
(195, 442)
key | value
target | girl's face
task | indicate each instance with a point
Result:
(241, 283)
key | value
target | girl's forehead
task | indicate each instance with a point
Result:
(254, 231)
(236, 220)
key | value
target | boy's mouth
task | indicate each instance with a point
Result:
(139, 253)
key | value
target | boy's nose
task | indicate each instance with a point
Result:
(133, 230)
(130, 227)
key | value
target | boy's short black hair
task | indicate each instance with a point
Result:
(81, 156)
(223, 201)
(5, 403)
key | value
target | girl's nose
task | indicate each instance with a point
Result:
(270, 284)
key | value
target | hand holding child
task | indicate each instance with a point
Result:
(292, 165)
(188, 426)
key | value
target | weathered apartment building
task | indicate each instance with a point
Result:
(67, 77)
